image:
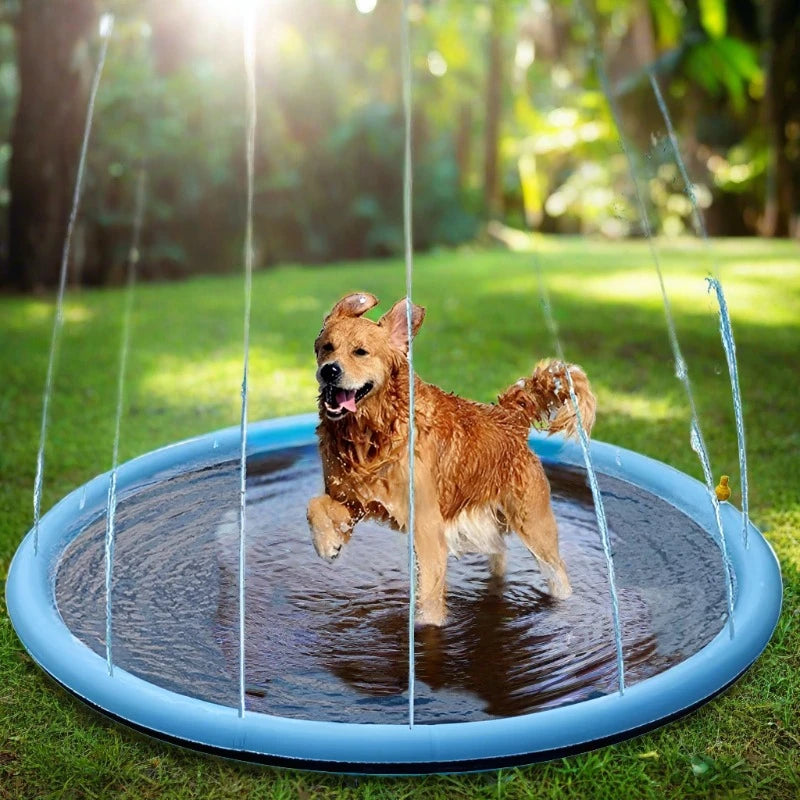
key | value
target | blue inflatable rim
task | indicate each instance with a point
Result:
(381, 748)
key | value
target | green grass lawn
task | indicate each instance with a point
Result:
(483, 330)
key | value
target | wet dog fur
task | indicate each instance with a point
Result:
(476, 478)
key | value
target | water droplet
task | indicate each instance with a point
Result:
(83, 498)
(106, 25)
(618, 459)
(694, 439)
(215, 445)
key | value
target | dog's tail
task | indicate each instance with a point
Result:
(544, 399)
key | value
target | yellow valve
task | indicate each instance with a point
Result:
(723, 490)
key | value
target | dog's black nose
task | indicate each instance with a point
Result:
(330, 372)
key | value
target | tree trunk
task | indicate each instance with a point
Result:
(780, 24)
(46, 137)
(492, 185)
(464, 144)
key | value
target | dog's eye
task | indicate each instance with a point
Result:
(360, 351)
(327, 348)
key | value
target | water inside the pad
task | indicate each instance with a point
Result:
(329, 641)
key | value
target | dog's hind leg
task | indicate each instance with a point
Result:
(541, 538)
(331, 524)
(497, 564)
(530, 514)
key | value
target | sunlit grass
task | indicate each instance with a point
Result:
(753, 295)
(274, 384)
(639, 407)
(751, 301)
(26, 313)
(484, 329)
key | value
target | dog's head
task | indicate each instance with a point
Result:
(355, 356)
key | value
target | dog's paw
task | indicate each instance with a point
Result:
(327, 541)
(327, 549)
(559, 587)
(430, 616)
(330, 526)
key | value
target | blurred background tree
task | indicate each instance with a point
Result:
(46, 133)
(510, 124)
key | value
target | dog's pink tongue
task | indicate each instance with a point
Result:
(346, 399)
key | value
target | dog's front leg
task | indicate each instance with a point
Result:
(431, 552)
(430, 548)
(331, 524)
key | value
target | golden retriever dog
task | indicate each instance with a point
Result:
(475, 476)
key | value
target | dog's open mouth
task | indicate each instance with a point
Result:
(339, 401)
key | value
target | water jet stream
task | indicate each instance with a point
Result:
(106, 26)
(133, 261)
(408, 247)
(729, 345)
(725, 327)
(599, 507)
(681, 370)
(249, 26)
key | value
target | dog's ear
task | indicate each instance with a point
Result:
(353, 305)
(396, 322)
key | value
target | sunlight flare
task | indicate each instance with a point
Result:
(229, 10)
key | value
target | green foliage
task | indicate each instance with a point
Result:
(713, 17)
(667, 22)
(724, 63)
(329, 150)
(742, 168)
(344, 196)
(580, 182)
